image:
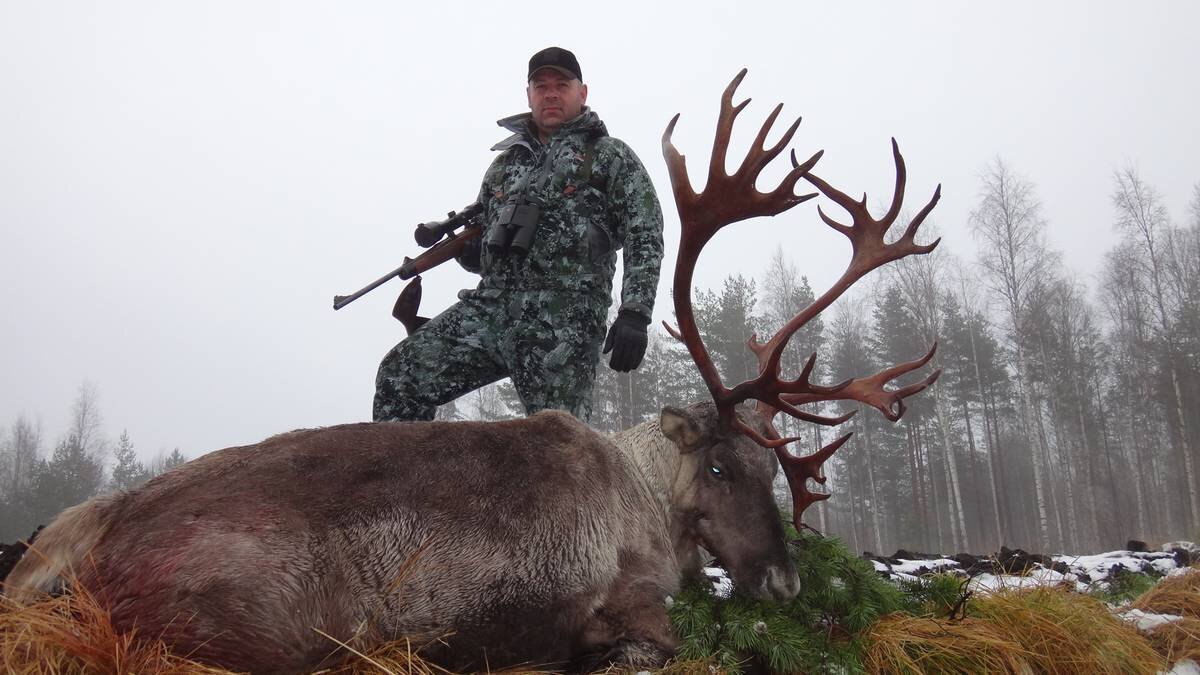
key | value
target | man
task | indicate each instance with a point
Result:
(559, 201)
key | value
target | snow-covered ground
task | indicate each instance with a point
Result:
(1020, 570)
(1085, 572)
(1017, 569)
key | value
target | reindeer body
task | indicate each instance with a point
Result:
(528, 541)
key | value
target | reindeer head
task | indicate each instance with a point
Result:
(730, 198)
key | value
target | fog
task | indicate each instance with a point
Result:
(185, 187)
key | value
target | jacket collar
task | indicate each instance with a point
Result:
(588, 122)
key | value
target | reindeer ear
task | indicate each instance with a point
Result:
(679, 426)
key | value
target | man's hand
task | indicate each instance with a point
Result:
(627, 341)
(470, 255)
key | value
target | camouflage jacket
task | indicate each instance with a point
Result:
(584, 220)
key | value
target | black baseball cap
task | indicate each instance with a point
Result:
(557, 58)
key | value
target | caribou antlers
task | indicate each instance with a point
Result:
(730, 198)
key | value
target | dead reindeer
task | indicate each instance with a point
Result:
(533, 541)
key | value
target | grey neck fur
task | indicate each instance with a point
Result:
(668, 474)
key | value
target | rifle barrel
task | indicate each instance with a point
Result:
(340, 301)
(432, 257)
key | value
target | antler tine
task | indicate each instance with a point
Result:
(729, 112)
(759, 155)
(798, 471)
(869, 251)
(725, 199)
(901, 181)
(867, 234)
(681, 185)
(870, 390)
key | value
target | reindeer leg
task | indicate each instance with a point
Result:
(631, 629)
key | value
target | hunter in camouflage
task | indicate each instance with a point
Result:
(539, 316)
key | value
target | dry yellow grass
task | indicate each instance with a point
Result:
(71, 634)
(1177, 640)
(1038, 630)
(1179, 595)
(1061, 631)
(904, 644)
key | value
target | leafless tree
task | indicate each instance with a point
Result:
(1135, 421)
(1013, 253)
(87, 425)
(1142, 218)
(971, 303)
(20, 450)
(921, 280)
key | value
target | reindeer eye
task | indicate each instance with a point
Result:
(716, 471)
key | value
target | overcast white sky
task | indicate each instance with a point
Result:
(185, 186)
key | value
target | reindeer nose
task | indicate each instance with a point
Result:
(782, 584)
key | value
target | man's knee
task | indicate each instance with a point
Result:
(399, 410)
(568, 388)
(398, 390)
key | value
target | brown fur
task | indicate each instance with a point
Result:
(527, 541)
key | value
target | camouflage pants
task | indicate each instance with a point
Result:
(548, 342)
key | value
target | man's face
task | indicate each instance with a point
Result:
(554, 98)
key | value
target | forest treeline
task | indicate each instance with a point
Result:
(1066, 417)
(36, 482)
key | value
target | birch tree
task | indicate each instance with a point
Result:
(1129, 393)
(1142, 218)
(849, 354)
(920, 280)
(1008, 224)
(21, 449)
(973, 326)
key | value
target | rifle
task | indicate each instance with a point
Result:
(429, 235)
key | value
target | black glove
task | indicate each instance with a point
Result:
(627, 341)
(469, 256)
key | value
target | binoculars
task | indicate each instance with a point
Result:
(515, 227)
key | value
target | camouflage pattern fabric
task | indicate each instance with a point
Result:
(539, 318)
(547, 341)
(585, 220)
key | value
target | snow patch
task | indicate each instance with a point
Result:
(1147, 621)
(719, 578)
(988, 583)
(1184, 667)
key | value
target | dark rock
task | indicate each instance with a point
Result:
(1058, 566)
(1137, 546)
(10, 554)
(1183, 557)
(1019, 562)
(902, 554)
(976, 564)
